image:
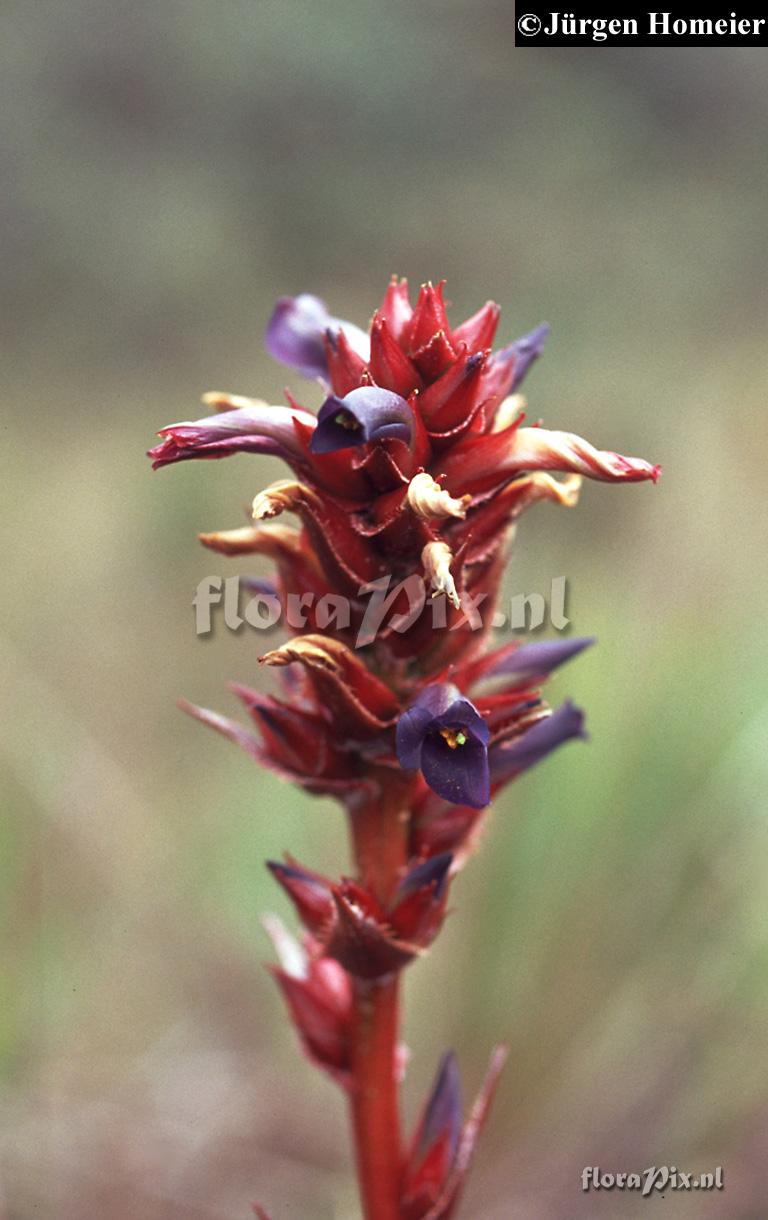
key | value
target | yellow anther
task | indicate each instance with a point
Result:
(453, 737)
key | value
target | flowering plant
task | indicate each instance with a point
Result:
(418, 461)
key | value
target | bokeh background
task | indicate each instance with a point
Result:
(168, 171)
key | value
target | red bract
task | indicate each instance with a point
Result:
(403, 487)
(319, 997)
(369, 938)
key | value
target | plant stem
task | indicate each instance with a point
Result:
(375, 1107)
(380, 846)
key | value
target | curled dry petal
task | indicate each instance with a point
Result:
(285, 495)
(510, 411)
(277, 541)
(480, 464)
(341, 553)
(346, 687)
(429, 500)
(540, 486)
(541, 449)
(437, 558)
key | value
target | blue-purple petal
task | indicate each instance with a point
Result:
(524, 351)
(461, 775)
(295, 334)
(538, 659)
(364, 415)
(443, 1113)
(434, 870)
(545, 736)
(288, 872)
(412, 728)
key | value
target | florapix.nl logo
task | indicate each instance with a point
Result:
(382, 604)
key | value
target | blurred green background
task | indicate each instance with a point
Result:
(168, 171)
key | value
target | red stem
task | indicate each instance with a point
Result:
(380, 844)
(375, 1107)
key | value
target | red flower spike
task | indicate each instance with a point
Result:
(411, 477)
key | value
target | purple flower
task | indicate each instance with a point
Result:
(524, 351)
(537, 660)
(444, 736)
(509, 760)
(296, 334)
(364, 415)
(256, 428)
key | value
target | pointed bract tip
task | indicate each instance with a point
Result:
(431, 872)
(442, 1116)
